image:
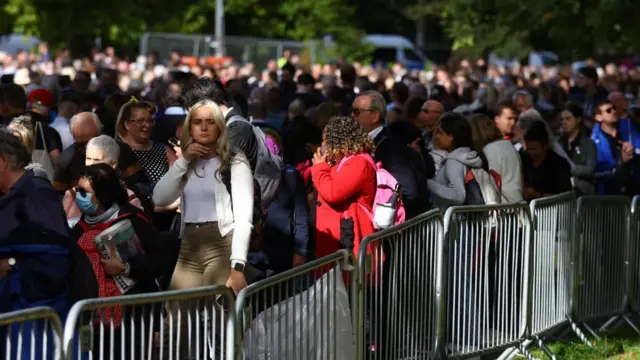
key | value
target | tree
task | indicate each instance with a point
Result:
(121, 22)
(575, 29)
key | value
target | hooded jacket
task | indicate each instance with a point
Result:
(448, 186)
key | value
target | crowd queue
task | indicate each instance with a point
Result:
(227, 181)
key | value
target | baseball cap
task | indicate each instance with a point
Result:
(42, 97)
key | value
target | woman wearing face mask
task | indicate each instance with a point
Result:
(100, 150)
(104, 203)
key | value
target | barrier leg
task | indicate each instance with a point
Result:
(614, 320)
(544, 348)
(509, 353)
(525, 352)
(590, 330)
(576, 329)
(633, 326)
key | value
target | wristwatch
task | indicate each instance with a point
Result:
(12, 262)
(237, 266)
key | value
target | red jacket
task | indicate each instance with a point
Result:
(348, 190)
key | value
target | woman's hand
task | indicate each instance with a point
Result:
(194, 151)
(112, 266)
(319, 158)
(236, 281)
(298, 260)
(5, 268)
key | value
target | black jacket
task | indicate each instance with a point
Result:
(400, 161)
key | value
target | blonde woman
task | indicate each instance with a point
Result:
(22, 128)
(216, 224)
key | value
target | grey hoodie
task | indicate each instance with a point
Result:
(447, 186)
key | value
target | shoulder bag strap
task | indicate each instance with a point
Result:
(41, 133)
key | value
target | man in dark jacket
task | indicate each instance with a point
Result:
(34, 240)
(369, 108)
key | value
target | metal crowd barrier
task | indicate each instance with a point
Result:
(400, 279)
(304, 313)
(485, 299)
(602, 233)
(633, 270)
(34, 333)
(198, 323)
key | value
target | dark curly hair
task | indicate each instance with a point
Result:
(344, 137)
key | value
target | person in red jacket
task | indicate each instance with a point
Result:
(346, 184)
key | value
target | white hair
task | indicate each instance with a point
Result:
(75, 118)
(522, 93)
(108, 145)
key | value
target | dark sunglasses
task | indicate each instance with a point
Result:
(609, 110)
(357, 111)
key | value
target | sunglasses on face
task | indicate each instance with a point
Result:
(357, 112)
(608, 110)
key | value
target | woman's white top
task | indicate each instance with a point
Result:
(199, 192)
(234, 212)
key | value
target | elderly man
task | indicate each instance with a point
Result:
(34, 241)
(369, 109)
(431, 111)
(523, 100)
(84, 127)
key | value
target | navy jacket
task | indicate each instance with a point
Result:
(33, 230)
(286, 228)
(401, 162)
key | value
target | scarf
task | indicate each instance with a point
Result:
(110, 214)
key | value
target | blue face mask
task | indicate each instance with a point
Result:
(84, 203)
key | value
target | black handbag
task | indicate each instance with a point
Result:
(347, 234)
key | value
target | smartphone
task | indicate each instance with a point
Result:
(174, 142)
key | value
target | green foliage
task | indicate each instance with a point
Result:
(572, 28)
(121, 22)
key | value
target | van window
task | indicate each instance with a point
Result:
(384, 54)
(411, 55)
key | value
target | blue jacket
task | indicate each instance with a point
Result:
(629, 133)
(612, 176)
(33, 230)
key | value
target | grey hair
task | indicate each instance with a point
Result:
(378, 104)
(95, 118)
(14, 150)
(521, 93)
(527, 118)
(108, 145)
(297, 107)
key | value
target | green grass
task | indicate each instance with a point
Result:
(619, 344)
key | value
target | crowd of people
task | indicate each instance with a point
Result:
(227, 177)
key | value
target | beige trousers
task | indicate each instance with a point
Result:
(204, 257)
(203, 261)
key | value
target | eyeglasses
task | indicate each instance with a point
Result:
(357, 111)
(141, 122)
(608, 110)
